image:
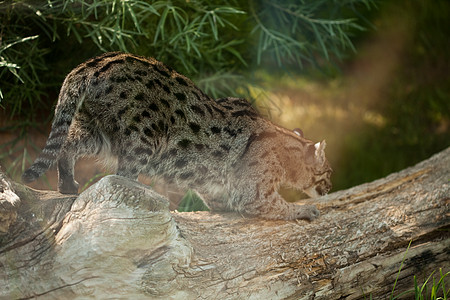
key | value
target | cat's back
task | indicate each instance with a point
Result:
(137, 99)
(133, 91)
(129, 78)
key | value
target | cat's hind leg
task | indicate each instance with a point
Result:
(82, 140)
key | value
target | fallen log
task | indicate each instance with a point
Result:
(119, 240)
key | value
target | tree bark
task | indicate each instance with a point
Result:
(119, 240)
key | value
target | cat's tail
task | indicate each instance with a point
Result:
(65, 110)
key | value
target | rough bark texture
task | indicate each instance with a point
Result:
(119, 240)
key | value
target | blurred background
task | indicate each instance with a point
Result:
(370, 77)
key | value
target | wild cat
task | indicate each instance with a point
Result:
(155, 121)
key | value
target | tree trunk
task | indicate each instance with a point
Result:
(119, 240)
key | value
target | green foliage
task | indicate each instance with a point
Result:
(428, 290)
(399, 270)
(296, 32)
(424, 292)
(42, 40)
(191, 202)
(417, 106)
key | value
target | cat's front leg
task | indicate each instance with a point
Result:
(273, 206)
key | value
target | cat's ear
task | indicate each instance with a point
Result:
(298, 132)
(320, 152)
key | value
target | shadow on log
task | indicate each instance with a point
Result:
(119, 240)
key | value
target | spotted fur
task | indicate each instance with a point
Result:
(155, 121)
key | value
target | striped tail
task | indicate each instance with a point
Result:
(64, 113)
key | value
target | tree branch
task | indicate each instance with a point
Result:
(118, 239)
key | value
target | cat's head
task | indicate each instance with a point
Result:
(320, 181)
(306, 166)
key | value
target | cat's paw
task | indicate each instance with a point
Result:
(68, 187)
